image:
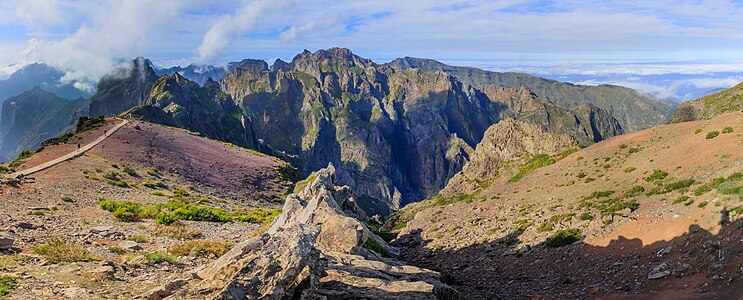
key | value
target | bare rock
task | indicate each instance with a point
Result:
(6, 240)
(130, 245)
(313, 250)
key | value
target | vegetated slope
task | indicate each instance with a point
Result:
(632, 110)
(654, 211)
(726, 101)
(107, 210)
(30, 118)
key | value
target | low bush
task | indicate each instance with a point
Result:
(138, 238)
(154, 184)
(200, 248)
(58, 251)
(727, 129)
(7, 285)
(712, 134)
(67, 199)
(256, 216)
(630, 169)
(131, 171)
(564, 238)
(160, 257)
(657, 175)
(537, 161)
(177, 230)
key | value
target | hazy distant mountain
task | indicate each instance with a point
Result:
(33, 117)
(45, 77)
(709, 106)
(197, 73)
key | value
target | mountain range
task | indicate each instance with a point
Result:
(397, 132)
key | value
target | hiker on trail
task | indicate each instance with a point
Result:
(78, 146)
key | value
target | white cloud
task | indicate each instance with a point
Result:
(228, 28)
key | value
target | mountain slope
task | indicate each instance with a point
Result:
(197, 73)
(34, 116)
(126, 87)
(177, 101)
(643, 208)
(632, 110)
(726, 101)
(148, 201)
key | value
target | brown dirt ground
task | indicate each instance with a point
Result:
(486, 257)
(226, 176)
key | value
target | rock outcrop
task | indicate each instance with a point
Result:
(727, 101)
(508, 140)
(314, 250)
(126, 87)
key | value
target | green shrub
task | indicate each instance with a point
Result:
(131, 171)
(564, 238)
(118, 183)
(634, 191)
(138, 238)
(581, 174)
(598, 194)
(7, 285)
(712, 134)
(67, 199)
(154, 184)
(523, 225)
(180, 193)
(586, 216)
(166, 218)
(117, 250)
(702, 204)
(374, 245)
(698, 131)
(630, 169)
(701, 190)
(670, 187)
(727, 129)
(158, 193)
(153, 172)
(634, 150)
(681, 199)
(657, 175)
(538, 161)
(622, 146)
(256, 216)
(122, 210)
(160, 257)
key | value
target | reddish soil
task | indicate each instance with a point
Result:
(477, 246)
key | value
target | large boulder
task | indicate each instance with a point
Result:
(314, 250)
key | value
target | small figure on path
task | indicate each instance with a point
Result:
(78, 146)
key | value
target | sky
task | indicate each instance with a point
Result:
(670, 49)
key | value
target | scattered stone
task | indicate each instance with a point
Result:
(6, 240)
(130, 245)
(659, 271)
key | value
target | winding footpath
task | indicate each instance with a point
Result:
(68, 156)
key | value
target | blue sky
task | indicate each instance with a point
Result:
(586, 41)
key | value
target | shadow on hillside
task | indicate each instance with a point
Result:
(698, 262)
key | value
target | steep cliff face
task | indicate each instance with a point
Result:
(392, 134)
(505, 141)
(632, 110)
(177, 101)
(124, 88)
(730, 100)
(33, 117)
